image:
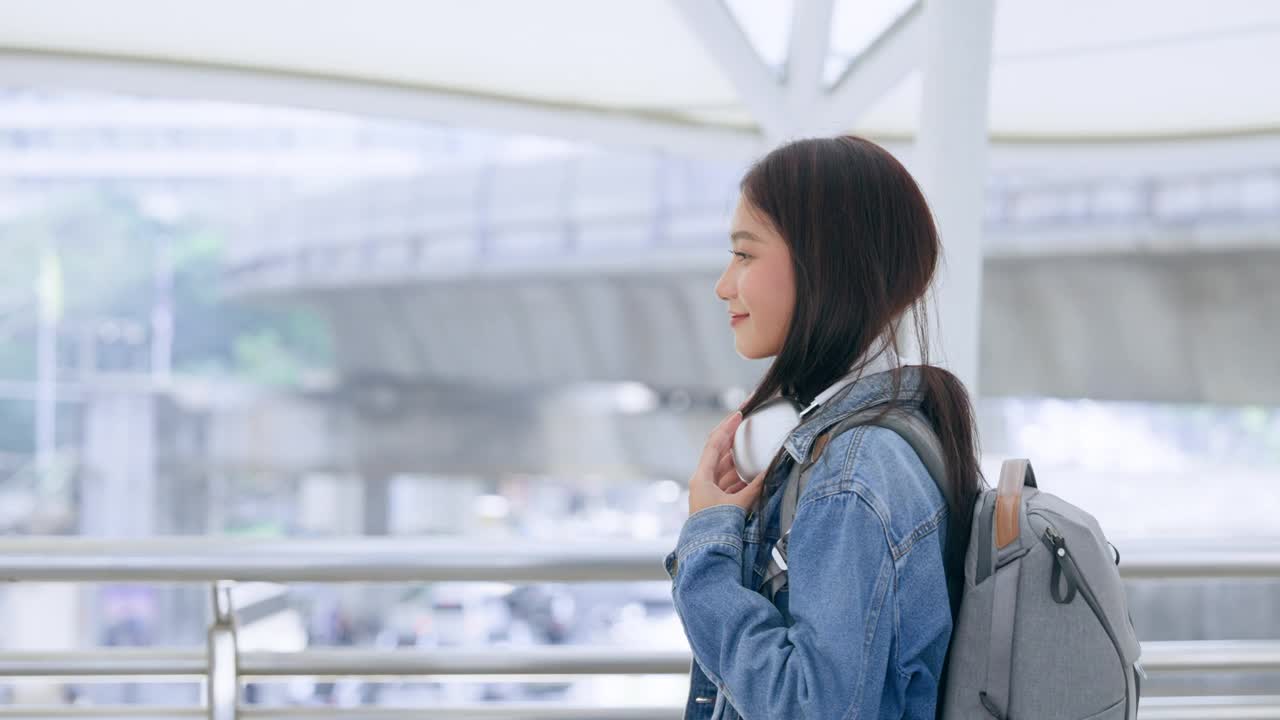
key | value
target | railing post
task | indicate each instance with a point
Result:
(223, 694)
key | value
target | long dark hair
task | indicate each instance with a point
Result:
(864, 249)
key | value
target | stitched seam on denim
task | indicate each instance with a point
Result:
(872, 625)
(817, 490)
(851, 456)
(723, 507)
(873, 619)
(863, 493)
(702, 542)
(922, 531)
(840, 485)
(834, 483)
(883, 583)
(897, 622)
(705, 536)
(690, 540)
(829, 488)
(897, 661)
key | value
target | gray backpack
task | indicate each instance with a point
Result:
(1043, 630)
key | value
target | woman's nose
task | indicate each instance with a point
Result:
(724, 288)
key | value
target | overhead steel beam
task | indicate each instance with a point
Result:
(720, 34)
(806, 58)
(877, 70)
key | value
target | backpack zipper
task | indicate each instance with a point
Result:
(1058, 546)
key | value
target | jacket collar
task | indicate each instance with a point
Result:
(886, 358)
(865, 392)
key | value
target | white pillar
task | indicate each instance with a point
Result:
(951, 164)
(49, 312)
(120, 494)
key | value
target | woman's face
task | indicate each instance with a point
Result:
(758, 285)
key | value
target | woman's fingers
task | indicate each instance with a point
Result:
(729, 481)
(716, 481)
(722, 437)
(725, 464)
(719, 441)
(751, 491)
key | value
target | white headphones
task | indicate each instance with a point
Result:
(761, 434)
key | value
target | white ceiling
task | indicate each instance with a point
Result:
(1090, 69)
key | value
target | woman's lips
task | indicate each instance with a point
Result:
(735, 319)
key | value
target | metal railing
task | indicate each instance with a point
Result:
(223, 666)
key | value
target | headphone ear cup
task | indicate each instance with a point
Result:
(760, 436)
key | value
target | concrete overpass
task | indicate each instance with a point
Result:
(600, 268)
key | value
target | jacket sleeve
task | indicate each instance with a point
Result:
(833, 655)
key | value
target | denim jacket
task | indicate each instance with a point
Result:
(863, 627)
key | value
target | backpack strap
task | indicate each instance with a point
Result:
(911, 427)
(1014, 475)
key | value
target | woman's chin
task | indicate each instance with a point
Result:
(747, 352)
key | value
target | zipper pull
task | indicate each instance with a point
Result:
(1058, 545)
(1056, 541)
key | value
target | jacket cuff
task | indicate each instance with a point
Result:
(715, 524)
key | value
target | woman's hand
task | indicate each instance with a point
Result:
(716, 480)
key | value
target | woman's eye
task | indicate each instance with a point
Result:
(740, 255)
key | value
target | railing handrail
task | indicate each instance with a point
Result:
(1253, 707)
(357, 559)
(188, 559)
(222, 666)
(485, 711)
(1204, 656)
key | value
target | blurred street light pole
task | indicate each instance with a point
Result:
(162, 311)
(163, 210)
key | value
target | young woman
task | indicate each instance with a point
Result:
(832, 244)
